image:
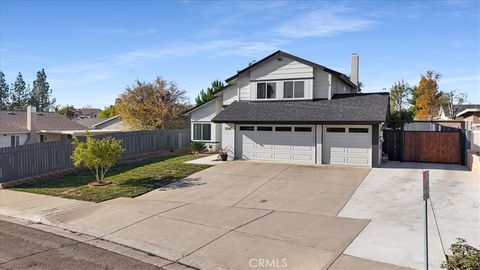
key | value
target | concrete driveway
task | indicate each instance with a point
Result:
(391, 197)
(238, 215)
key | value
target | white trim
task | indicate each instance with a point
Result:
(467, 111)
(208, 102)
(201, 135)
(107, 120)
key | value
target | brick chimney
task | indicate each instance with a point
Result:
(355, 69)
(32, 124)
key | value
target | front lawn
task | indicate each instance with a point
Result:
(129, 179)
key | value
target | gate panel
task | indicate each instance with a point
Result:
(427, 146)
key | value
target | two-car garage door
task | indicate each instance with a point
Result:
(342, 145)
(279, 143)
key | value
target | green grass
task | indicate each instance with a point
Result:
(129, 179)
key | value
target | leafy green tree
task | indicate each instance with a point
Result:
(41, 92)
(399, 118)
(206, 95)
(108, 112)
(98, 155)
(156, 105)
(67, 111)
(4, 92)
(399, 93)
(463, 257)
(19, 95)
(399, 100)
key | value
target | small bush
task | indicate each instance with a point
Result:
(198, 147)
(464, 257)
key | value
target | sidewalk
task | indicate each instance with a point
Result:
(34, 207)
(41, 212)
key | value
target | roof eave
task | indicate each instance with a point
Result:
(189, 111)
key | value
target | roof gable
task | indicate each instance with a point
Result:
(279, 53)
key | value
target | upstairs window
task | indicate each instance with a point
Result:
(201, 132)
(266, 90)
(293, 89)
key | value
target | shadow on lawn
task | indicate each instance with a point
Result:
(163, 183)
(85, 176)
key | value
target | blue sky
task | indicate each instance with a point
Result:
(92, 50)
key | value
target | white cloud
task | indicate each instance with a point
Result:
(214, 47)
(324, 22)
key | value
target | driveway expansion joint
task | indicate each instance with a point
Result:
(266, 182)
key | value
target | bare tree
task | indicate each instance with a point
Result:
(452, 101)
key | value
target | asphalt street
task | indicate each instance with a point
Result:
(22, 247)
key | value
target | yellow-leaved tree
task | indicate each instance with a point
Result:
(428, 97)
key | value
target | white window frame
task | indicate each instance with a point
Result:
(16, 140)
(266, 90)
(201, 131)
(293, 89)
(280, 89)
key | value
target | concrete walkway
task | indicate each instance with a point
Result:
(237, 215)
(392, 198)
(208, 160)
(34, 207)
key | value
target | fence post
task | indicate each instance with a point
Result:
(463, 145)
(402, 143)
(180, 140)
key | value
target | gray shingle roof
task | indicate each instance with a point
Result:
(366, 108)
(17, 122)
(89, 122)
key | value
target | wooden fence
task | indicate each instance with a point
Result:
(43, 158)
(425, 146)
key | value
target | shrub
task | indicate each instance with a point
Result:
(98, 155)
(198, 147)
(463, 257)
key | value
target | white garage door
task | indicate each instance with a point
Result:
(279, 143)
(348, 145)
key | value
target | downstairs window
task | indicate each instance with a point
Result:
(202, 132)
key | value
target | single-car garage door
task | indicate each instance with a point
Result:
(279, 143)
(348, 145)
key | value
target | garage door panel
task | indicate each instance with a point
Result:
(301, 157)
(303, 148)
(282, 156)
(357, 150)
(345, 148)
(248, 145)
(248, 155)
(341, 150)
(261, 155)
(265, 147)
(283, 147)
(296, 146)
(358, 160)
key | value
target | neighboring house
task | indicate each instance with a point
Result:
(18, 128)
(285, 108)
(470, 113)
(86, 113)
(113, 124)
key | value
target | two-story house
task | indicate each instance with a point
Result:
(285, 108)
